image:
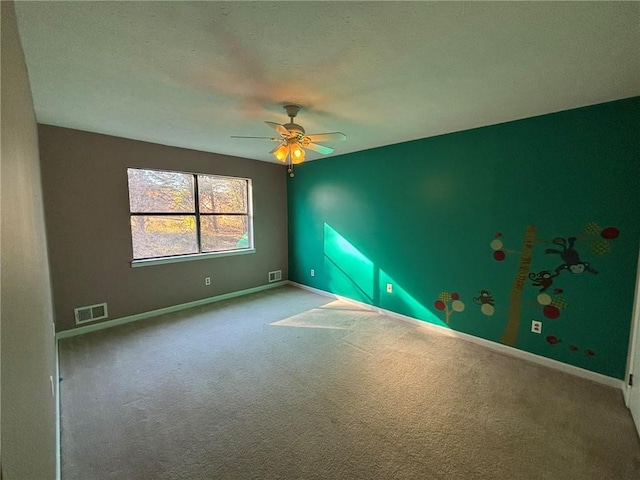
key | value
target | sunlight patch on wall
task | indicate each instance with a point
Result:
(350, 273)
(399, 300)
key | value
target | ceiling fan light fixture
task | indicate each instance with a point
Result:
(297, 153)
(294, 140)
(281, 152)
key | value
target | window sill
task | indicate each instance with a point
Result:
(188, 258)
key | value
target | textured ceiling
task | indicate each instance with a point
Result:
(191, 74)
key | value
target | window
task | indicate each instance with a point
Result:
(176, 214)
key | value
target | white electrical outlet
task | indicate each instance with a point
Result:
(536, 326)
(313, 272)
(53, 388)
(389, 288)
(207, 281)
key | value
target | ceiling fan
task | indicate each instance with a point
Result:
(293, 140)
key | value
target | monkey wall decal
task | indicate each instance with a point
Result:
(543, 279)
(569, 256)
(484, 298)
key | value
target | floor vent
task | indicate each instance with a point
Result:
(91, 313)
(275, 276)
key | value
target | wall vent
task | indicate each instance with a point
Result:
(91, 313)
(275, 276)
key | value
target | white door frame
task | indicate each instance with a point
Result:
(634, 346)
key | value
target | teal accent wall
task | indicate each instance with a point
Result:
(422, 215)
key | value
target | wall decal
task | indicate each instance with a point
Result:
(553, 340)
(600, 247)
(610, 233)
(496, 245)
(499, 255)
(592, 228)
(510, 334)
(600, 238)
(599, 242)
(442, 304)
(551, 306)
(569, 256)
(544, 299)
(594, 236)
(486, 302)
(543, 278)
(551, 312)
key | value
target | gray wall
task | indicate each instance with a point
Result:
(28, 348)
(87, 213)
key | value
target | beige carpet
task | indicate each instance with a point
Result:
(287, 384)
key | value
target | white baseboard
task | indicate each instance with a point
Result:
(161, 311)
(514, 352)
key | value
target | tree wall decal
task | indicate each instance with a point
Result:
(510, 334)
(568, 261)
(442, 304)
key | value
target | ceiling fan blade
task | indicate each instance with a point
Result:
(318, 148)
(280, 129)
(273, 139)
(326, 137)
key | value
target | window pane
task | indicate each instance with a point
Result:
(160, 236)
(222, 194)
(151, 191)
(224, 232)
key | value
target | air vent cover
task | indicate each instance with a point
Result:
(91, 313)
(275, 276)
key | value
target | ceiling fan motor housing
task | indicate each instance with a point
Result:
(294, 128)
(292, 112)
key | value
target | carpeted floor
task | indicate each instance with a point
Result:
(288, 384)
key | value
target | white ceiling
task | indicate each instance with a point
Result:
(191, 74)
